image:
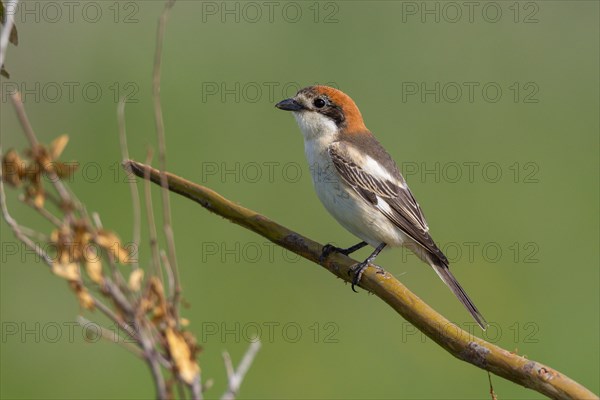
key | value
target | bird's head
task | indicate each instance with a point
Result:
(324, 111)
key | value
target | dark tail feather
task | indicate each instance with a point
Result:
(444, 272)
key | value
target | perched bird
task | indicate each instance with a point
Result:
(360, 185)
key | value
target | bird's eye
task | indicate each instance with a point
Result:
(319, 103)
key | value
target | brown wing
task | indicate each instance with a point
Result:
(385, 188)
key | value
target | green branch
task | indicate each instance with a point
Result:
(456, 341)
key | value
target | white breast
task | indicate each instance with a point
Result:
(346, 206)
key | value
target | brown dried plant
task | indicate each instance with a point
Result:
(98, 267)
(101, 271)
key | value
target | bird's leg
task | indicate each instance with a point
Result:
(358, 269)
(328, 249)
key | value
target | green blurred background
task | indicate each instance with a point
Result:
(225, 65)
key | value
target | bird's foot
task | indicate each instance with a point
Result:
(327, 250)
(358, 270)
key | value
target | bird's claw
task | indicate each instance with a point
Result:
(327, 250)
(358, 271)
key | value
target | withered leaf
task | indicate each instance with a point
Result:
(65, 170)
(13, 168)
(135, 279)
(158, 299)
(122, 255)
(93, 267)
(68, 271)
(57, 146)
(111, 242)
(85, 299)
(39, 199)
(182, 355)
(107, 239)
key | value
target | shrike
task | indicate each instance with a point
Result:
(360, 185)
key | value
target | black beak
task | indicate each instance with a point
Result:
(289, 105)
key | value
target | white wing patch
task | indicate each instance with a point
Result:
(377, 170)
(370, 166)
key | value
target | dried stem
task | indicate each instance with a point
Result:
(23, 120)
(152, 223)
(135, 195)
(64, 194)
(236, 377)
(112, 337)
(197, 388)
(117, 320)
(162, 156)
(152, 358)
(151, 319)
(168, 268)
(124, 302)
(46, 214)
(456, 341)
(492, 393)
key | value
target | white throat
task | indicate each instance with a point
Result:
(315, 126)
(319, 133)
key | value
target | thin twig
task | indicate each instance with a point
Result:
(114, 270)
(45, 213)
(118, 296)
(151, 356)
(112, 337)
(135, 195)
(23, 120)
(236, 377)
(168, 269)
(117, 320)
(196, 388)
(229, 369)
(456, 341)
(34, 234)
(492, 393)
(97, 220)
(58, 184)
(162, 156)
(152, 223)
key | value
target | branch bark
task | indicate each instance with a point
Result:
(459, 343)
